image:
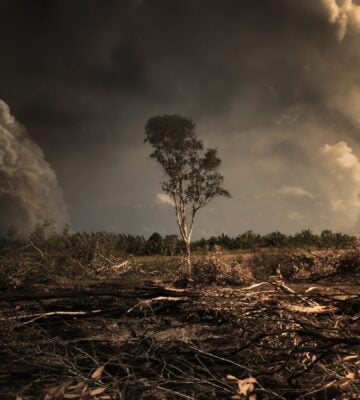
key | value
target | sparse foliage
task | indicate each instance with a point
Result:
(191, 179)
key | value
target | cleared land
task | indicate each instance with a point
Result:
(136, 338)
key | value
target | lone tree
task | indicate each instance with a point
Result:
(191, 177)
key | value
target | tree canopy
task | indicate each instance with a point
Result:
(192, 177)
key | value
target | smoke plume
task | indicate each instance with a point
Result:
(29, 192)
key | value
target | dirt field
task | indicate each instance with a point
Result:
(109, 341)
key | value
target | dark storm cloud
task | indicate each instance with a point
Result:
(29, 191)
(269, 82)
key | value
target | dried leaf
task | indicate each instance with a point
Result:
(85, 390)
(350, 375)
(71, 396)
(348, 358)
(245, 388)
(97, 391)
(231, 378)
(52, 390)
(63, 387)
(345, 383)
(250, 379)
(78, 386)
(58, 391)
(96, 375)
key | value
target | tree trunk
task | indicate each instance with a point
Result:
(188, 254)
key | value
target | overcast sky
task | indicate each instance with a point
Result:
(274, 84)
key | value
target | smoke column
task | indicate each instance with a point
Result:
(29, 191)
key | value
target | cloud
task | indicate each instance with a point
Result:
(267, 95)
(162, 198)
(345, 164)
(344, 14)
(347, 102)
(294, 191)
(341, 185)
(296, 216)
(29, 191)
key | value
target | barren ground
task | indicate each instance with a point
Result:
(158, 342)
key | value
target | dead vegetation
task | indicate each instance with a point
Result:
(228, 334)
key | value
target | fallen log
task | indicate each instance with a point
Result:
(142, 292)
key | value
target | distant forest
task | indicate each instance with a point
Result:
(171, 245)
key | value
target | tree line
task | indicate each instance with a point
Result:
(81, 245)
